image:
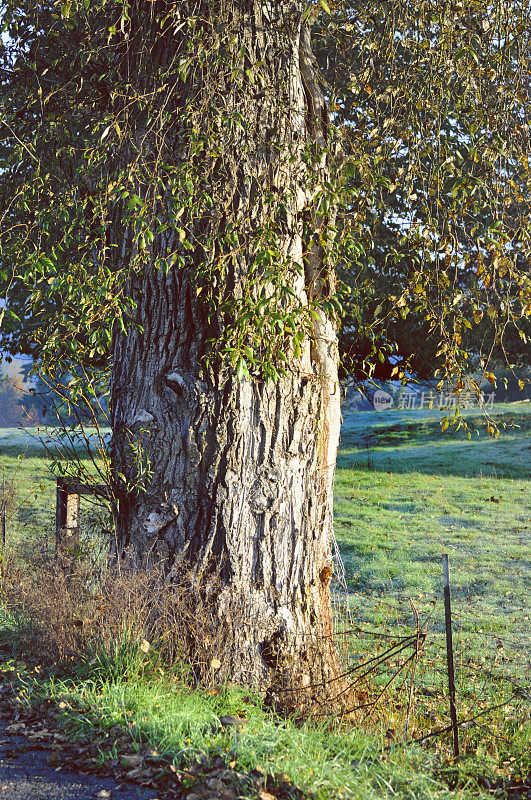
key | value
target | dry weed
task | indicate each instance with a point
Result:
(112, 619)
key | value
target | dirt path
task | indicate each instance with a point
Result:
(25, 774)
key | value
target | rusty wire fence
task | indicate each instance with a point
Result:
(395, 653)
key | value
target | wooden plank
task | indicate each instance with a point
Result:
(68, 496)
(66, 514)
(97, 489)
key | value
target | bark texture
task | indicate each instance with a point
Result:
(226, 477)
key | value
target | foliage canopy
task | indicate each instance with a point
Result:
(425, 216)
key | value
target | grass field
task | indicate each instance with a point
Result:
(26, 459)
(414, 494)
(405, 494)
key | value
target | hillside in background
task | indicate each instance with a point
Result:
(18, 404)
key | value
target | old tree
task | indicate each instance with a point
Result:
(240, 467)
(175, 198)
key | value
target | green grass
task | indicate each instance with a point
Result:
(25, 467)
(26, 461)
(326, 763)
(423, 497)
(186, 726)
(405, 494)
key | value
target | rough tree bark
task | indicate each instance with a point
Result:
(238, 476)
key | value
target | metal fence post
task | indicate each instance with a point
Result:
(450, 652)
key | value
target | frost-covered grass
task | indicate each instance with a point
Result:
(425, 493)
(405, 493)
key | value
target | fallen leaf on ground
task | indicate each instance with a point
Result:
(232, 719)
(16, 727)
(133, 760)
(135, 773)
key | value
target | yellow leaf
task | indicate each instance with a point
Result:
(324, 5)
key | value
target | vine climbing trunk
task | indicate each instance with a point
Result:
(224, 471)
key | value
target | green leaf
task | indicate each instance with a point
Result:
(324, 5)
(241, 369)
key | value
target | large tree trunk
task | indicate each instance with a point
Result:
(226, 477)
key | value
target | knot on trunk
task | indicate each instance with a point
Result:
(325, 576)
(264, 491)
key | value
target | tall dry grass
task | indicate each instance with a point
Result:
(110, 619)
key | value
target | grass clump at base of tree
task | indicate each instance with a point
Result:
(107, 653)
(112, 661)
(187, 727)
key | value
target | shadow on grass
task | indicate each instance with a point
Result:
(460, 459)
(418, 445)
